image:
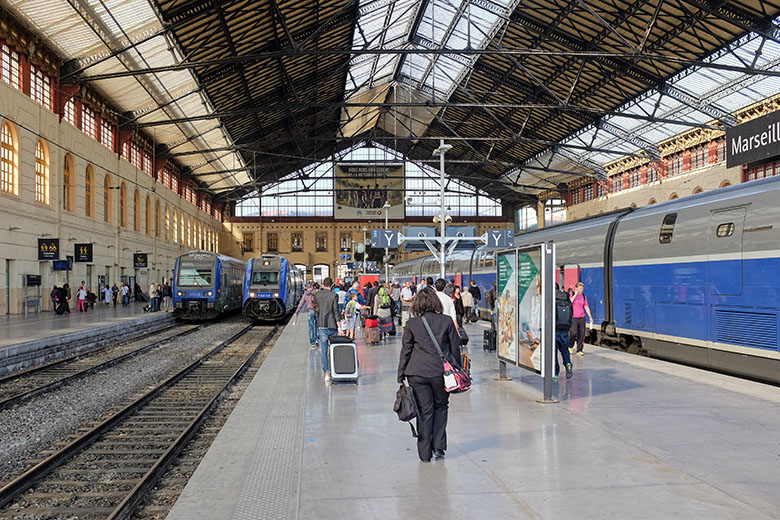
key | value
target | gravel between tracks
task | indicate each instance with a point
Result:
(39, 423)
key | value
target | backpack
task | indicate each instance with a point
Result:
(350, 311)
(384, 298)
(563, 311)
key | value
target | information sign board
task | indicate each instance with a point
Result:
(506, 305)
(48, 249)
(140, 260)
(83, 252)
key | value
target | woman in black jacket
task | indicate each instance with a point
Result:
(421, 365)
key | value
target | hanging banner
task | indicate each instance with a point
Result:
(83, 253)
(529, 309)
(361, 190)
(48, 249)
(506, 305)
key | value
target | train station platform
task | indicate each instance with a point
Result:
(631, 437)
(46, 334)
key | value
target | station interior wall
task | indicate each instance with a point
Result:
(704, 179)
(23, 220)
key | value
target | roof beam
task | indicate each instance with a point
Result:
(634, 139)
(698, 104)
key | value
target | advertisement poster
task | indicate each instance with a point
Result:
(529, 309)
(361, 190)
(506, 305)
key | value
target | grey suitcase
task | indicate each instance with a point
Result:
(343, 359)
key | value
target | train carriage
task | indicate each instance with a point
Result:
(693, 280)
(206, 285)
(272, 287)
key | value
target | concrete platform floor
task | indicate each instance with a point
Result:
(17, 328)
(631, 438)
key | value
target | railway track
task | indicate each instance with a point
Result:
(20, 386)
(105, 472)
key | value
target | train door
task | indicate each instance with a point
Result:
(724, 251)
(568, 276)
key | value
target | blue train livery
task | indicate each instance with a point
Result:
(693, 280)
(206, 285)
(272, 287)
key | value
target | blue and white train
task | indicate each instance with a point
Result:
(206, 285)
(693, 280)
(272, 288)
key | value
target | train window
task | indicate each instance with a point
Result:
(725, 230)
(667, 228)
(265, 278)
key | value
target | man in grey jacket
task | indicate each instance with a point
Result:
(327, 305)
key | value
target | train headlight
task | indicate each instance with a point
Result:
(179, 293)
(252, 295)
(276, 295)
(210, 293)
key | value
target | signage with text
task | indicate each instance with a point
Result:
(384, 238)
(48, 249)
(140, 260)
(753, 141)
(83, 253)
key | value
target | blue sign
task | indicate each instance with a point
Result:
(384, 238)
(346, 257)
(500, 238)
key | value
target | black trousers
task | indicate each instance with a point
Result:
(577, 332)
(432, 404)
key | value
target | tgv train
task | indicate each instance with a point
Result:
(272, 288)
(206, 285)
(693, 280)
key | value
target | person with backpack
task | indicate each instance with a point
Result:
(351, 313)
(383, 310)
(564, 313)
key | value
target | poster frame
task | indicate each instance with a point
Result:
(498, 315)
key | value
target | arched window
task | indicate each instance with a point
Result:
(167, 222)
(107, 198)
(651, 202)
(41, 173)
(148, 215)
(526, 218)
(182, 231)
(175, 228)
(724, 184)
(189, 232)
(157, 219)
(90, 192)
(554, 211)
(673, 196)
(9, 160)
(67, 183)
(697, 189)
(137, 211)
(123, 205)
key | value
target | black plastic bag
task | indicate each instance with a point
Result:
(406, 406)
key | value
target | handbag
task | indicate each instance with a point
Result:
(455, 379)
(406, 406)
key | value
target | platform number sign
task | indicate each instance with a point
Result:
(48, 249)
(83, 253)
(384, 238)
(500, 238)
(140, 260)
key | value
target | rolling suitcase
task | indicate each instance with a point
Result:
(343, 359)
(372, 335)
(489, 340)
(464, 337)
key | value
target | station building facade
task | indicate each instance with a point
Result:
(69, 175)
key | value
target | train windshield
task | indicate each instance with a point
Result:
(265, 278)
(195, 274)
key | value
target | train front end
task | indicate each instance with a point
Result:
(196, 287)
(265, 288)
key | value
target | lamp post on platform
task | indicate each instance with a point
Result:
(365, 249)
(387, 251)
(440, 151)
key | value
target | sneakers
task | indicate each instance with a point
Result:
(327, 376)
(439, 454)
(312, 346)
(580, 353)
(568, 370)
(555, 378)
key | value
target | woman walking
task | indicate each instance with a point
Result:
(421, 365)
